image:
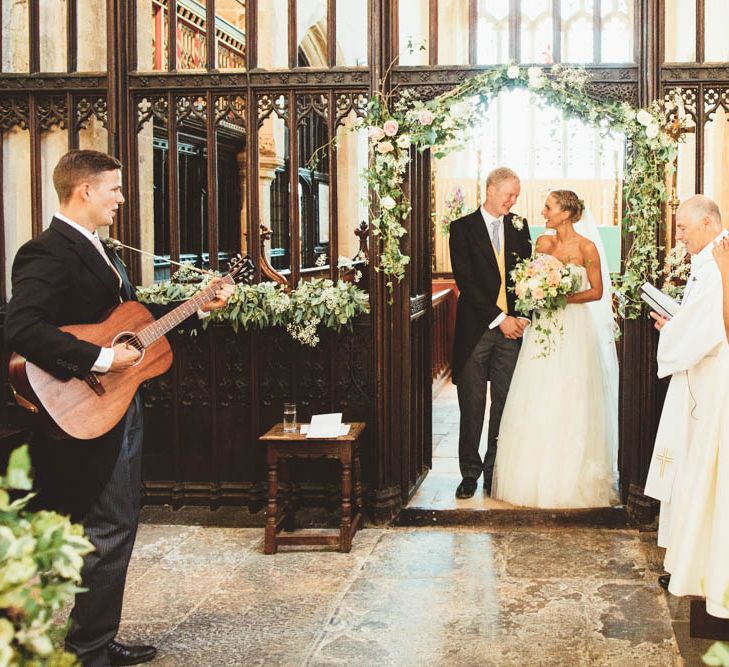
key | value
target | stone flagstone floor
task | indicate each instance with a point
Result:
(202, 591)
(209, 596)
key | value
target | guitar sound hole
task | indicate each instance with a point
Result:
(130, 339)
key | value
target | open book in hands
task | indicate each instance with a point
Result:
(658, 301)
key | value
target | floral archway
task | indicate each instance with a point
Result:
(444, 124)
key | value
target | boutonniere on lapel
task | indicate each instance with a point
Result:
(517, 222)
(115, 246)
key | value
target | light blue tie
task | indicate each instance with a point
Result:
(495, 236)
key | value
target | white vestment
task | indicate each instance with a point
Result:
(689, 471)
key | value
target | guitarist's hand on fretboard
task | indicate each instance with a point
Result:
(223, 292)
(124, 356)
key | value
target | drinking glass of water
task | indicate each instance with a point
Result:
(289, 417)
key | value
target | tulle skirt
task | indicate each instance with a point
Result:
(557, 445)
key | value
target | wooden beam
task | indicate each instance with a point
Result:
(332, 33)
(294, 224)
(71, 36)
(472, 32)
(293, 50)
(700, 30)
(36, 173)
(34, 35)
(172, 35)
(212, 38)
(212, 176)
(433, 32)
(251, 36)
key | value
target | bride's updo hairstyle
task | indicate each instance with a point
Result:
(570, 202)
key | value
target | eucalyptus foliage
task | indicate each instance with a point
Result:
(446, 124)
(41, 555)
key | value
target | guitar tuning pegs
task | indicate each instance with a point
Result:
(242, 269)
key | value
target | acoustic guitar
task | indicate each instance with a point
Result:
(90, 407)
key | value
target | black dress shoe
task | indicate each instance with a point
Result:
(120, 654)
(664, 580)
(467, 487)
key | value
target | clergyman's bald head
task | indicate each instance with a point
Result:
(699, 207)
(698, 221)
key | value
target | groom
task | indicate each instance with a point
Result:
(485, 246)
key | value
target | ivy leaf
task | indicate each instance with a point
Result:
(18, 475)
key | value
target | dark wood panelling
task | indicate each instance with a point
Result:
(204, 416)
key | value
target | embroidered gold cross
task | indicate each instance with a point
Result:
(665, 460)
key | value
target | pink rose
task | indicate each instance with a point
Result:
(520, 289)
(391, 127)
(538, 293)
(376, 133)
(553, 279)
(425, 117)
(385, 147)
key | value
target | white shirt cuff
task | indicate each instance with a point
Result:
(202, 314)
(104, 360)
(499, 319)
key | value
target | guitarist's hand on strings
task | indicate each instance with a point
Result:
(124, 356)
(223, 292)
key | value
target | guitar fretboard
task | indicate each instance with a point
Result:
(160, 327)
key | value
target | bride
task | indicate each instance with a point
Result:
(558, 437)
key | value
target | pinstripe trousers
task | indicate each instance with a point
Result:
(111, 525)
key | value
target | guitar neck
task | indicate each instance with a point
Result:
(160, 327)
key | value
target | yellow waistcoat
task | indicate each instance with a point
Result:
(500, 261)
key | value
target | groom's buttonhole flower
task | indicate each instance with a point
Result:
(517, 222)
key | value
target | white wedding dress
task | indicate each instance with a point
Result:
(557, 445)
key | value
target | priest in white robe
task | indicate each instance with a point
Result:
(689, 471)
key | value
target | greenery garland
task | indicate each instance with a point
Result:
(446, 123)
(301, 311)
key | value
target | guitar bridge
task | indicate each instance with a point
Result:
(24, 402)
(93, 381)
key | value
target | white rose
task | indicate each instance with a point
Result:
(388, 203)
(534, 72)
(513, 71)
(651, 131)
(644, 117)
(403, 141)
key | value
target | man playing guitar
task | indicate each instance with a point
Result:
(62, 277)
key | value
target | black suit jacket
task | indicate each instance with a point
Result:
(59, 278)
(477, 275)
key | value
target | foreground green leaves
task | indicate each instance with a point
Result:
(41, 555)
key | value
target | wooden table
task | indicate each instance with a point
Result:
(282, 446)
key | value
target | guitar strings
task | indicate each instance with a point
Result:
(192, 267)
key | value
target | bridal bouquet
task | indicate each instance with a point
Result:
(541, 285)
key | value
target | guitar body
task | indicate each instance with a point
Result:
(73, 405)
